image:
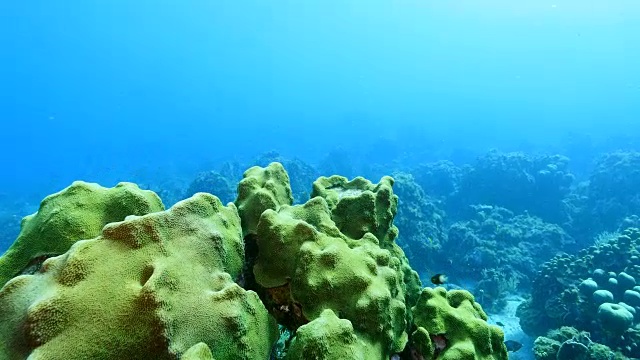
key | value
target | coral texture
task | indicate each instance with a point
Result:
(150, 286)
(75, 213)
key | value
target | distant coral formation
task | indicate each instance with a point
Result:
(595, 291)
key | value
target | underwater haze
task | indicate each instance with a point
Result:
(511, 131)
(96, 90)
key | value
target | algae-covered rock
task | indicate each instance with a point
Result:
(259, 190)
(149, 287)
(78, 212)
(459, 325)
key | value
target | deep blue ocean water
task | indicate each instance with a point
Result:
(156, 92)
(101, 90)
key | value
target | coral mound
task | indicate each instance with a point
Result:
(302, 250)
(452, 326)
(359, 206)
(75, 213)
(259, 190)
(150, 287)
(329, 337)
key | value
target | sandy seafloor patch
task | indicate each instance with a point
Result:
(512, 330)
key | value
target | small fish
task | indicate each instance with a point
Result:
(499, 323)
(513, 345)
(439, 279)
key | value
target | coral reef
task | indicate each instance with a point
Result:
(151, 286)
(439, 180)
(337, 245)
(567, 343)
(213, 183)
(613, 190)
(499, 249)
(521, 183)
(206, 281)
(456, 315)
(421, 227)
(75, 213)
(594, 291)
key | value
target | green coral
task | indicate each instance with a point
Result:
(259, 190)
(329, 337)
(327, 270)
(340, 255)
(78, 212)
(359, 206)
(455, 316)
(199, 351)
(151, 286)
(167, 284)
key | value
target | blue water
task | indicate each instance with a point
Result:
(119, 86)
(155, 92)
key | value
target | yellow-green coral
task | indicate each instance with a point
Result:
(162, 285)
(359, 206)
(455, 316)
(301, 247)
(75, 213)
(259, 190)
(329, 337)
(150, 287)
(199, 351)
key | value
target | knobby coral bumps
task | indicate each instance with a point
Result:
(151, 286)
(75, 213)
(109, 274)
(451, 325)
